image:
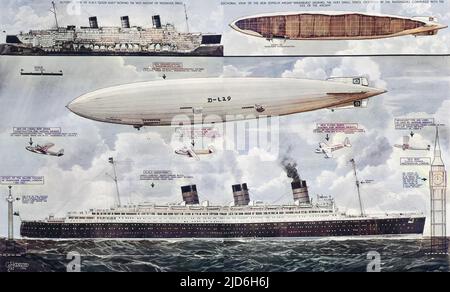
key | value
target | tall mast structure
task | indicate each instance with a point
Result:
(10, 201)
(53, 10)
(187, 18)
(116, 181)
(358, 187)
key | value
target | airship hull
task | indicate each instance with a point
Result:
(214, 100)
(334, 26)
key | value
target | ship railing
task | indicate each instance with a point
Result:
(388, 215)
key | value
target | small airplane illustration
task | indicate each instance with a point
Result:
(407, 146)
(328, 150)
(193, 153)
(44, 150)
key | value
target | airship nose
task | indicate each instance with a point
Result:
(72, 106)
(78, 107)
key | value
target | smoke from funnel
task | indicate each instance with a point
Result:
(299, 186)
(290, 167)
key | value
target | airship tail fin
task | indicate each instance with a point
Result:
(347, 143)
(355, 104)
(351, 80)
(427, 33)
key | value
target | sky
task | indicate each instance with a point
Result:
(417, 87)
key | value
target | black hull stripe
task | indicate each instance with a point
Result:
(369, 227)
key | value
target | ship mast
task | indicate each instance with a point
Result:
(10, 201)
(116, 181)
(55, 14)
(187, 18)
(358, 184)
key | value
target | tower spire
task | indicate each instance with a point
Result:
(437, 143)
(437, 150)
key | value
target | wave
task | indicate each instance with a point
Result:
(242, 255)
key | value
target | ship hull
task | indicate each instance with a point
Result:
(20, 50)
(342, 228)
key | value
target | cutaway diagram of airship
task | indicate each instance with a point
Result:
(194, 153)
(44, 149)
(328, 150)
(215, 100)
(334, 26)
(407, 146)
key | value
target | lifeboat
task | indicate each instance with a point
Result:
(334, 26)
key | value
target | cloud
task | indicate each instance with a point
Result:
(310, 68)
(376, 151)
(232, 71)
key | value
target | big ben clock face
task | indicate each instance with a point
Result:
(438, 179)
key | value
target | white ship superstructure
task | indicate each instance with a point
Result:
(257, 212)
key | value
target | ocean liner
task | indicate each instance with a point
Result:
(241, 219)
(127, 40)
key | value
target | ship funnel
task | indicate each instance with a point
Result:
(125, 21)
(93, 23)
(190, 195)
(241, 195)
(156, 21)
(300, 191)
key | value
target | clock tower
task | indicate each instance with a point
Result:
(438, 191)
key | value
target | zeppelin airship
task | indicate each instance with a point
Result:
(334, 26)
(177, 102)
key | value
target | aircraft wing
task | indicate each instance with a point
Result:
(418, 148)
(46, 147)
(406, 140)
(193, 154)
(336, 147)
(328, 153)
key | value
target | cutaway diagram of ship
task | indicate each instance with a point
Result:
(334, 26)
(127, 40)
(242, 219)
